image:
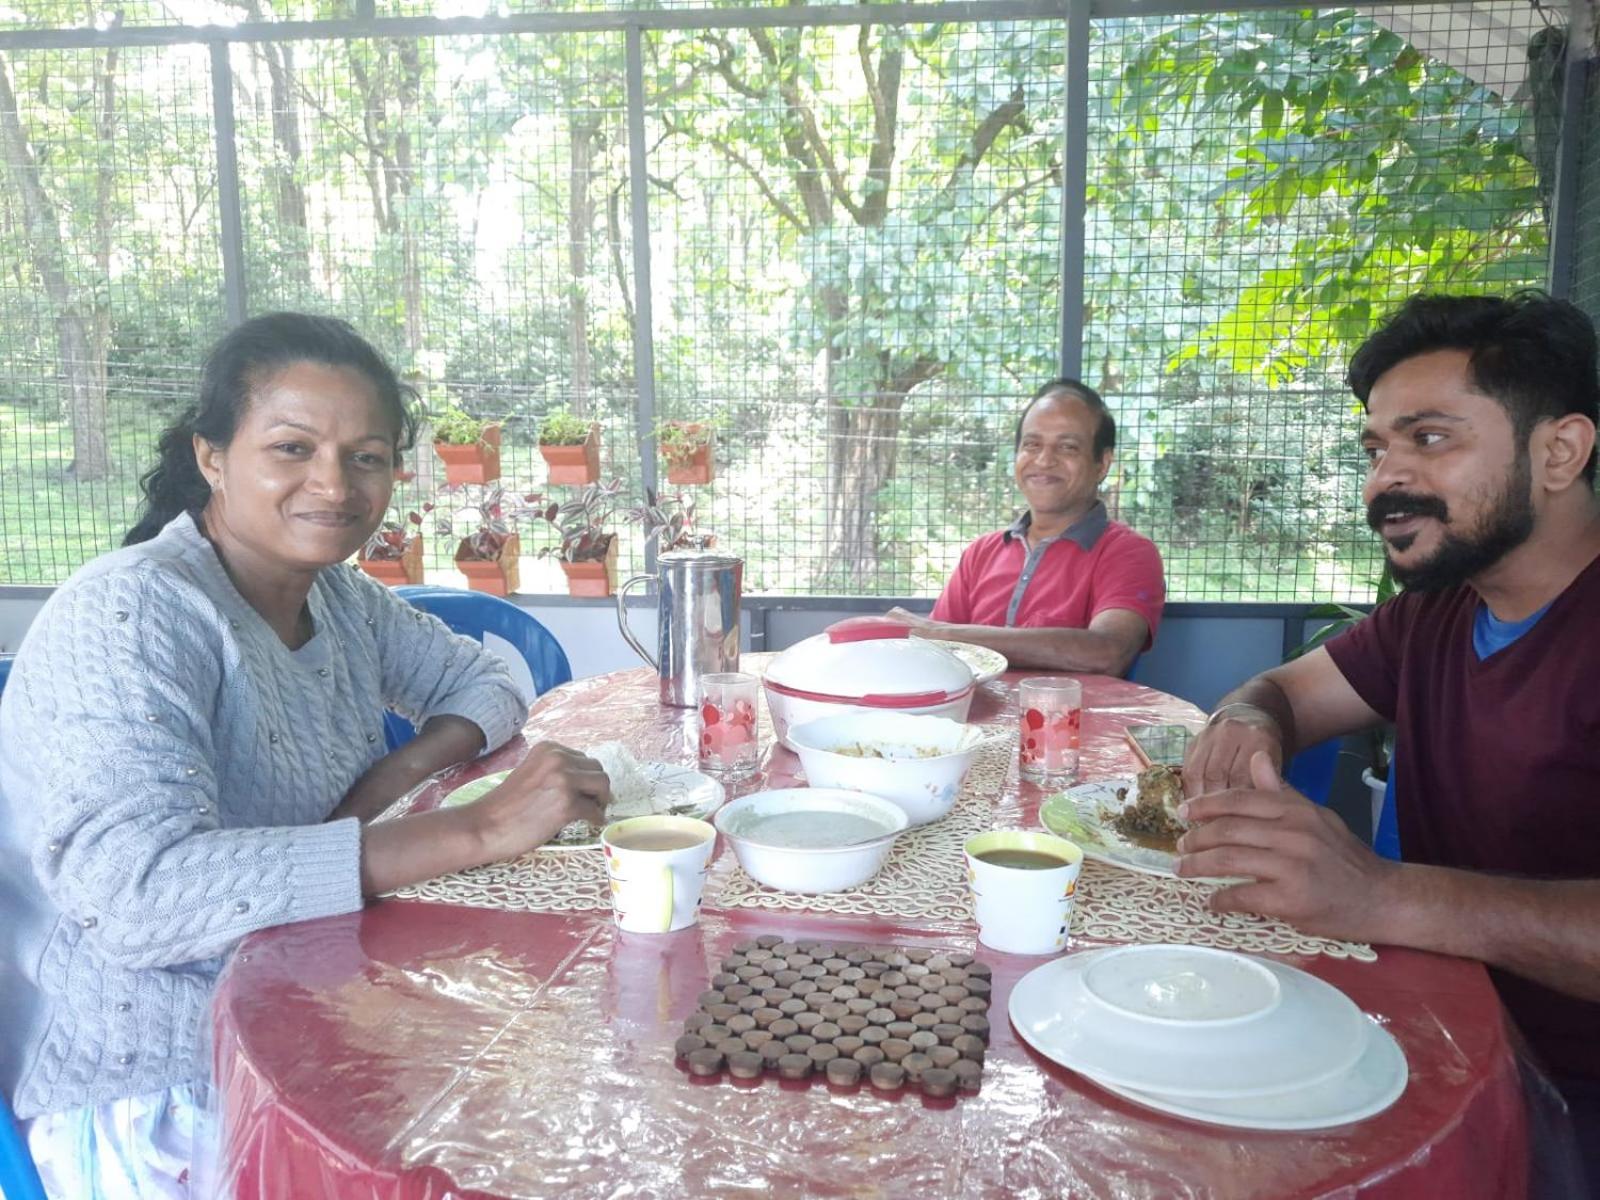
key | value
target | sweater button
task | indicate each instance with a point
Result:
(323, 671)
(88, 922)
(153, 718)
(242, 907)
(120, 615)
(124, 1006)
(54, 848)
(202, 810)
(233, 624)
(191, 772)
(273, 738)
(371, 738)
(125, 1060)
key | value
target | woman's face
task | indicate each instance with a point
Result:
(308, 474)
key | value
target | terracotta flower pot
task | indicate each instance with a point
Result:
(695, 467)
(496, 576)
(593, 577)
(578, 464)
(477, 463)
(395, 571)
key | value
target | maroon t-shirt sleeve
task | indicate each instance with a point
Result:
(955, 602)
(1369, 655)
(1129, 576)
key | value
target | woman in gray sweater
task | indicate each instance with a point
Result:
(191, 746)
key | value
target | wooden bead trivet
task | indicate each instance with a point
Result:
(886, 1017)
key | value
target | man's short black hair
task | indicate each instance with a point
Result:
(1531, 353)
(1105, 434)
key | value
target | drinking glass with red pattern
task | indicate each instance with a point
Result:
(728, 743)
(1052, 724)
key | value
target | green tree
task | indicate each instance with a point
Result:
(882, 180)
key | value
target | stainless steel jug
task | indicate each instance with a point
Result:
(698, 619)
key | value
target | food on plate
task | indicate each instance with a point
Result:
(1152, 819)
(863, 750)
(631, 789)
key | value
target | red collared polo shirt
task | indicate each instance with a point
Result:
(1063, 583)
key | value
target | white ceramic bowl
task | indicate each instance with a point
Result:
(788, 838)
(1184, 1021)
(790, 711)
(924, 784)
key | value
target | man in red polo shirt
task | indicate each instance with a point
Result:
(1065, 588)
(1481, 442)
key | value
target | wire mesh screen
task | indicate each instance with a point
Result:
(463, 202)
(857, 236)
(109, 286)
(854, 241)
(1264, 186)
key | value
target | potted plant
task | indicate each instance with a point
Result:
(487, 551)
(687, 447)
(570, 446)
(393, 554)
(587, 549)
(469, 447)
(668, 521)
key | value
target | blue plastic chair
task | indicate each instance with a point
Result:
(1386, 837)
(19, 1178)
(1311, 771)
(476, 614)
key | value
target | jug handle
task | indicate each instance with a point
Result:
(622, 621)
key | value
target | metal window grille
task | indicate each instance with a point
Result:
(842, 244)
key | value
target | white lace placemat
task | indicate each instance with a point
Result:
(925, 879)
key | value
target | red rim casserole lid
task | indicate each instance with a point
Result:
(871, 661)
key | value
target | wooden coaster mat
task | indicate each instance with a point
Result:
(887, 1016)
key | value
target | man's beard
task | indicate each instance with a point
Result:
(1506, 525)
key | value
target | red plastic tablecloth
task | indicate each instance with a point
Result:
(422, 1051)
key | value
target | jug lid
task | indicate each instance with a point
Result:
(707, 559)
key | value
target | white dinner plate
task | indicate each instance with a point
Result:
(681, 791)
(1079, 814)
(984, 663)
(1366, 1089)
(1313, 1033)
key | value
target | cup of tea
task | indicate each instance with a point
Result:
(727, 708)
(1022, 888)
(1052, 722)
(657, 867)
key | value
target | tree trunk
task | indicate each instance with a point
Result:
(863, 450)
(82, 375)
(409, 93)
(582, 133)
(288, 197)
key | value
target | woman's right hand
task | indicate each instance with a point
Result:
(549, 789)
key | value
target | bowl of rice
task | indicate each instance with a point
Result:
(915, 762)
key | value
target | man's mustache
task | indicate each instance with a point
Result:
(1389, 503)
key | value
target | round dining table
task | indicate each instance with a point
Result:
(418, 1051)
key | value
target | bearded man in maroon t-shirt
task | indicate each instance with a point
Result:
(1480, 437)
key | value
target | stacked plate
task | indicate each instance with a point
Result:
(1211, 1036)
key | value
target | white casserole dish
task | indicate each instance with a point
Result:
(865, 663)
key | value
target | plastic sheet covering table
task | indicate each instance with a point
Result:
(420, 1050)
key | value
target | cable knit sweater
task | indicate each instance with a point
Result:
(166, 768)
